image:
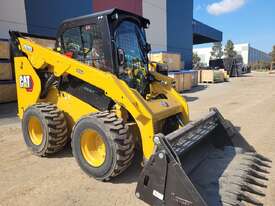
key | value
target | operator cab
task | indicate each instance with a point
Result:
(113, 41)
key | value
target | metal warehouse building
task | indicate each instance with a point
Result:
(250, 55)
(172, 27)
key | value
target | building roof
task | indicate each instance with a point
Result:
(203, 33)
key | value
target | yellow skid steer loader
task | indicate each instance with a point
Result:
(97, 90)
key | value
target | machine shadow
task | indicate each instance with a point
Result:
(198, 88)
(207, 163)
(245, 75)
(205, 177)
(8, 110)
(202, 178)
(65, 153)
(190, 99)
(131, 174)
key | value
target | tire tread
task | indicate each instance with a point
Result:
(56, 124)
(123, 143)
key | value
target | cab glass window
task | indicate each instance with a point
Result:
(73, 44)
(85, 43)
(131, 39)
(93, 46)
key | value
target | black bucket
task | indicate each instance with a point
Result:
(207, 162)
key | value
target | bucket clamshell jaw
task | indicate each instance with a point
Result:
(175, 173)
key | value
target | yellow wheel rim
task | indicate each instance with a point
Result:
(92, 147)
(35, 130)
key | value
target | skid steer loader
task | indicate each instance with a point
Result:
(97, 89)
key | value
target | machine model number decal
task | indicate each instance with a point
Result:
(158, 194)
(79, 71)
(164, 104)
(26, 82)
(27, 47)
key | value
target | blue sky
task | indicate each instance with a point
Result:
(242, 21)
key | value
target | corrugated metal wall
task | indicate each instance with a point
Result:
(12, 17)
(134, 6)
(44, 17)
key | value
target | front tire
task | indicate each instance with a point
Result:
(44, 129)
(101, 145)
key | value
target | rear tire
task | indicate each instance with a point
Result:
(118, 145)
(44, 129)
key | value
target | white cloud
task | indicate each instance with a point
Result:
(225, 6)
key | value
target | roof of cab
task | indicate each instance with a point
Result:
(105, 13)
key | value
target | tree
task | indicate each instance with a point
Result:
(216, 52)
(261, 66)
(196, 60)
(229, 49)
(273, 54)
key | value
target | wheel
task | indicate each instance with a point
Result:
(101, 145)
(44, 129)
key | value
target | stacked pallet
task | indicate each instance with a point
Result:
(4, 49)
(187, 80)
(6, 73)
(183, 80)
(195, 77)
(177, 76)
(225, 74)
(7, 91)
(7, 81)
(172, 60)
(199, 76)
(211, 76)
(48, 43)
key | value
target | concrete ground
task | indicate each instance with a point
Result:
(249, 102)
